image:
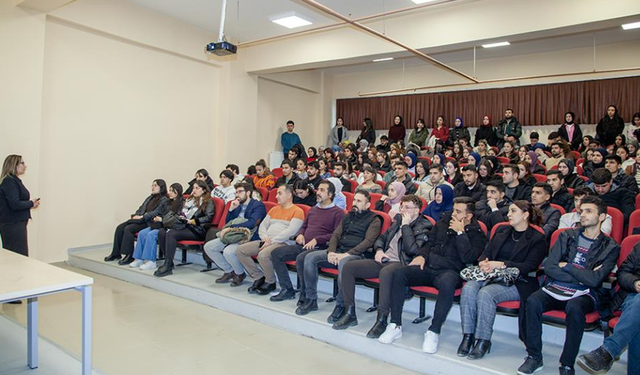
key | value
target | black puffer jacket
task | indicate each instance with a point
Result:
(628, 274)
(448, 251)
(414, 236)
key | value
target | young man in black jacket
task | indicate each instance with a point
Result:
(516, 189)
(454, 242)
(613, 163)
(394, 249)
(289, 176)
(470, 186)
(611, 193)
(627, 331)
(495, 207)
(401, 174)
(560, 195)
(540, 197)
(578, 263)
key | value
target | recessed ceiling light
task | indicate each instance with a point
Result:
(290, 21)
(499, 44)
(422, 1)
(383, 59)
(630, 26)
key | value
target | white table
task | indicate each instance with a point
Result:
(25, 278)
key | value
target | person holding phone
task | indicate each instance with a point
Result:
(15, 206)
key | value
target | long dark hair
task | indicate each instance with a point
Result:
(178, 202)
(206, 196)
(155, 201)
(368, 123)
(535, 215)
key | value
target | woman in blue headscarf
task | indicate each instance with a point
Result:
(411, 159)
(440, 160)
(458, 132)
(443, 202)
(476, 159)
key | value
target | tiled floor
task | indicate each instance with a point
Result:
(141, 331)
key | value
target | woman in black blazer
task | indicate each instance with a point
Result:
(15, 206)
(516, 245)
(125, 235)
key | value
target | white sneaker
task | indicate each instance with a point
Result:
(430, 343)
(136, 263)
(391, 334)
(149, 265)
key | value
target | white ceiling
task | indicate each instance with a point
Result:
(252, 21)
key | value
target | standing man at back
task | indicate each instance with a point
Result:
(289, 138)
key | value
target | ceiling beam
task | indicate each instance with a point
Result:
(382, 36)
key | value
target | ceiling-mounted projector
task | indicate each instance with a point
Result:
(221, 47)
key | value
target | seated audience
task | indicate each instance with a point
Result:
(517, 245)
(525, 173)
(560, 195)
(613, 165)
(597, 161)
(509, 152)
(191, 225)
(201, 175)
(124, 236)
(313, 177)
(390, 202)
(452, 174)
(146, 250)
(314, 234)
(394, 249)
(611, 193)
(225, 190)
(427, 189)
(486, 172)
(369, 184)
(339, 199)
(627, 331)
(495, 207)
(281, 223)
(264, 178)
(515, 189)
(303, 194)
(289, 176)
(572, 219)
(442, 203)
(244, 212)
(454, 242)
(470, 185)
(556, 155)
(570, 178)
(339, 169)
(540, 197)
(578, 263)
(237, 176)
(401, 175)
(422, 172)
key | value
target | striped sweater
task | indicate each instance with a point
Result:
(280, 224)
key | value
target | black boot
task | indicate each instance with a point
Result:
(309, 306)
(165, 270)
(466, 345)
(128, 259)
(596, 361)
(256, 284)
(348, 320)
(284, 294)
(481, 348)
(111, 257)
(266, 288)
(378, 328)
(337, 313)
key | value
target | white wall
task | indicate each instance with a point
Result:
(115, 117)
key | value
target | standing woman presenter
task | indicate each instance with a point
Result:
(15, 206)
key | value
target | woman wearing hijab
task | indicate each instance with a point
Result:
(391, 203)
(532, 158)
(339, 200)
(411, 159)
(458, 132)
(610, 126)
(597, 162)
(474, 158)
(571, 178)
(486, 132)
(364, 146)
(438, 159)
(570, 131)
(443, 202)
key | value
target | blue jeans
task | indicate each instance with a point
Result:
(224, 256)
(627, 332)
(147, 245)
